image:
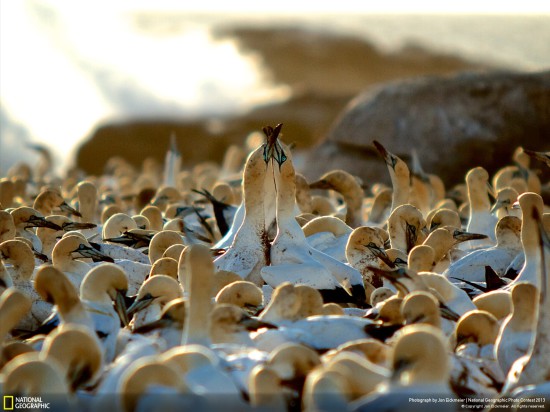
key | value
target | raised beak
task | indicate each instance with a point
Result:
(140, 304)
(272, 148)
(86, 251)
(390, 159)
(252, 324)
(463, 236)
(39, 221)
(120, 307)
(67, 208)
(68, 226)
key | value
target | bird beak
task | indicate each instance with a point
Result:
(252, 324)
(463, 236)
(394, 276)
(40, 256)
(66, 208)
(499, 204)
(272, 148)
(68, 226)
(140, 304)
(434, 226)
(448, 313)
(39, 221)
(387, 156)
(86, 251)
(120, 307)
(399, 366)
(412, 236)
(381, 254)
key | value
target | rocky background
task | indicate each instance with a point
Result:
(325, 73)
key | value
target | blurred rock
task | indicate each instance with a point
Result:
(454, 123)
(324, 71)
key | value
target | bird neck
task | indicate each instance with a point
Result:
(198, 287)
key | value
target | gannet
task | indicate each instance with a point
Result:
(14, 305)
(329, 235)
(243, 294)
(198, 288)
(406, 227)
(531, 204)
(248, 252)
(49, 199)
(25, 220)
(516, 332)
(169, 327)
(66, 253)
(56, 289)
(481, 220)
(472, 266)
(78, 351)
(103, 285)
(153, 294)
(350, 189)
(21, 269)
(292, 259)
(265, 390)
(399, 174)
(420, 365)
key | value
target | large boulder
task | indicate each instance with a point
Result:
(453, 123)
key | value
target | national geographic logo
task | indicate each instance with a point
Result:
(8, 403)
(11, 403)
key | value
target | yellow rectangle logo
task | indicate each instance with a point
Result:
(8, 403)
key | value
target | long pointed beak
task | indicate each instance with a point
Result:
(462, 236)
(120, 307)
(39, 221)
(394, 276)
(40, 256)
(381, 254)
(498, 205)
(89, 252)
(272, 148)
(386, 155)
(68, 226)
(139, 304)
(252, 324)
(67, 208)
(448, 313)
